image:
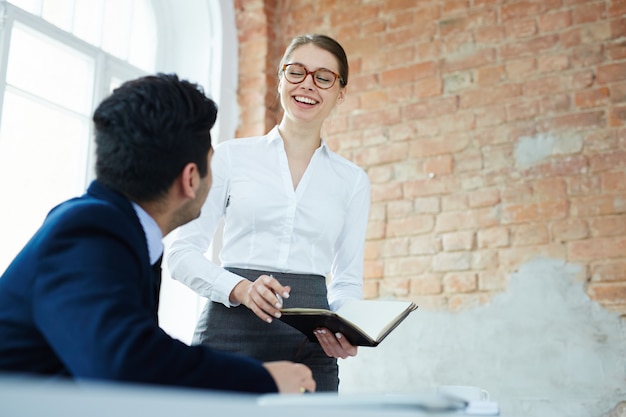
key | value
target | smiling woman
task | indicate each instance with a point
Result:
(294, 213)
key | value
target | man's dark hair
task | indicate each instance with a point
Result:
(147, 130)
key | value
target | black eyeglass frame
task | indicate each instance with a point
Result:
(312, 73)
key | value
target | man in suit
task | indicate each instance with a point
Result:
(80, 300)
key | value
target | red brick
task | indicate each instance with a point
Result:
(607, 271)
(583, 57)
(549, 188)
(476, 218)
(598, 205)
(614, 181)
(409, 226)
(591, 98)
(611, 73)
(476, 59)
(437, 146)
(484, 198)
(533, 46)
(535, 212)
(386, 192)
(590, 12)
(454, 202)
(409, 266)
(513, 258)
(407, 74)
(485, 259)
(428, 87)
(370, 290)
(553, 63)
(428, 187)
(494, 280)
(459, 282)
(375, 230)
(529, 235)
(617, 8)
(596, 249)
(555, 104)
(395, 247)
(490, 75)
(452, 261)
(617, 116)
(607, 226)
(467, 160)
(608, 293)
(424, 245)
(569, 229)
(607, 161)
(489, 35)
(425, 284)
(427, 205)
(521, 110)
(593, 119)
(521, 29)
(618, 93)
(520, 69)
(523, 9)
(493, 237)
(544, 86)
(473, 99)
(552, 22)
(618, 28)
(396, 287)
(456, 241)
(439, 165)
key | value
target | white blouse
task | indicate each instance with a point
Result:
(318, 228)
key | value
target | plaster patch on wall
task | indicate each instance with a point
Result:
(530, 150)
(542, 348)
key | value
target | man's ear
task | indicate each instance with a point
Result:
(189, 180)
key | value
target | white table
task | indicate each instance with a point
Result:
(26, 398)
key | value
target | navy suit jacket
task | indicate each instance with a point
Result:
(80, 301)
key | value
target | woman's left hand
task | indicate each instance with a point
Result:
(335, 345)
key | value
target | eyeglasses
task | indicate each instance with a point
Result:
(323, 78)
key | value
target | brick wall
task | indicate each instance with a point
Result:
(493, 132)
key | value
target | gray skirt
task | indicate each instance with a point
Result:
(239, 330)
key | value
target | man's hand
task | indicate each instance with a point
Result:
(263, 296)
(335, 345)
(291, 377)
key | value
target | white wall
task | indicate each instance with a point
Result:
(541, 349)
(202, 45)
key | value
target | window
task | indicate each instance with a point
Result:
(58, 60)
(54, 78)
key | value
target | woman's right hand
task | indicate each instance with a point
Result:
(263, 296)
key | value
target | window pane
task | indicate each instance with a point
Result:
(31, 6)
(68, 76)
(143, 39)
(59, 12)
(48, 154)
(116, 28)
(88, 20)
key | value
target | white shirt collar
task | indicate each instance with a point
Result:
(154, 237)
(274, 135)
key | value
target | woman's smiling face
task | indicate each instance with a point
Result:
(306, 101)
